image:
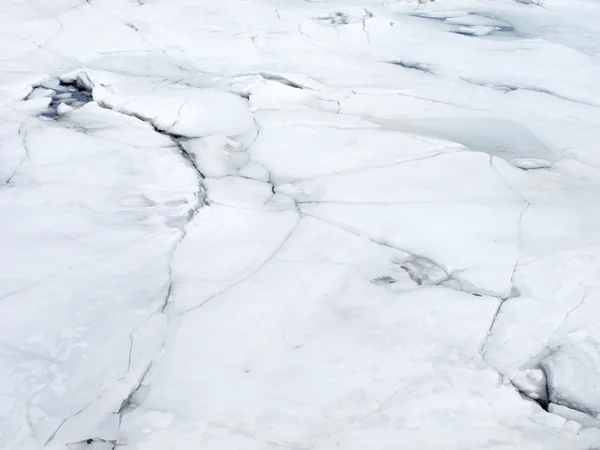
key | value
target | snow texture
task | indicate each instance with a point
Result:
(300, 225)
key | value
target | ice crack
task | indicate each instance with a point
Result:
(77, 93)
(508, 88)
(422, 270)
(23, 135)
(412, 65)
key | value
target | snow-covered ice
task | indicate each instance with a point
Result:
(300, 225)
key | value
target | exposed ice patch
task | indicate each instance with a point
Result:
(65, 97)
(425, 272)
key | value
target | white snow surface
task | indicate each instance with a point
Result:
(300, 225)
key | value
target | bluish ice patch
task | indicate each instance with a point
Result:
(68, 94)
(462, 23)
(581, 37)
(497, 137)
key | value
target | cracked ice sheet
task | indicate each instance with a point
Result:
(532, 95)
(311, 354)
(227, 223)
(314, 152)
(552, 320)
(90, 206)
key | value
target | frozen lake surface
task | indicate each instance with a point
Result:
(300, 225)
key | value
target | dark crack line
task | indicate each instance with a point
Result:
(200, 202)
(137, 30)
(32, 355)
(519, 245)
(508, 88)
(381, 406)
(303, 33)
(280, 79)
(160, 310)
(507, 184)
(246, 277)
(127, 400)
(80, 265)
(412, 65)
(514, 290)
(443, 282)
(90, 441)
(568, 314)
(550, 398)
(178, 140)
(542, 401)
(387, 124)
(23, 135)
(53, 435)
(376, 166)
(368, 15)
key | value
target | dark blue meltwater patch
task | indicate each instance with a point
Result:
(68, 94)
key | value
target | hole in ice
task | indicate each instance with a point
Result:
(423, 271)
(337, 18)
(342, 18)
(68, 94)
(384, 280)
